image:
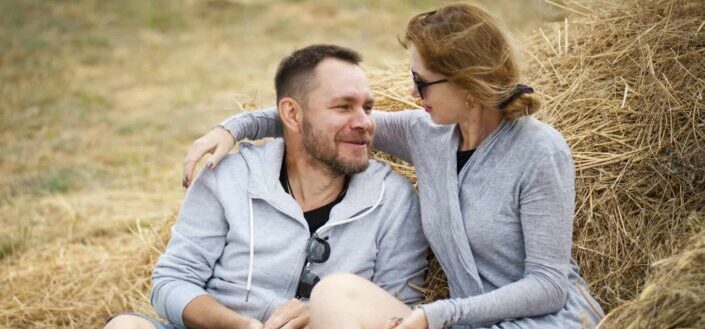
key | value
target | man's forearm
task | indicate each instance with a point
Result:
(204, 312)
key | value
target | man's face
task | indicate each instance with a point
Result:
(338, 129)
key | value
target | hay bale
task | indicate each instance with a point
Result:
(80, 283)
(627, 94)
(673, 297)
(624, 84)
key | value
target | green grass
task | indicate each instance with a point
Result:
(57, 181)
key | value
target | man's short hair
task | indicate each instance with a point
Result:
(295, 72)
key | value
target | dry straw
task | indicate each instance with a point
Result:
(624, 83)
(80, 283)
(673, 297)
(627, 94)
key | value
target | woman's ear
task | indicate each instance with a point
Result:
(471, 104)
(291, 114)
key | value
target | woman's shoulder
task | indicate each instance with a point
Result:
(540, 136)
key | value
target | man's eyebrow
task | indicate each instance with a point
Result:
(368, 99)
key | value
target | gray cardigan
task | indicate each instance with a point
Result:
(501, 228)
(241, 238)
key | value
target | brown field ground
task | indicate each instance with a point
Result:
(100, 100)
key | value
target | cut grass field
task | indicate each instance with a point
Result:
(99, 101)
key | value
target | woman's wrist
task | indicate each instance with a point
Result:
(436, 316)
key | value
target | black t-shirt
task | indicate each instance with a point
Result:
(463, 157)
(315, 217)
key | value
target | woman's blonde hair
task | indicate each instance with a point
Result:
(468, 45)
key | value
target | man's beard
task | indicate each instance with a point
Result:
(320, 150)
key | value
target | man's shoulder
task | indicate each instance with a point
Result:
(392, 180)
(231, 166)
(399, 200)
(249, 158)
(245, 150)
(229, 162)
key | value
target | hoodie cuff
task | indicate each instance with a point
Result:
(437, 314)
(176, 301)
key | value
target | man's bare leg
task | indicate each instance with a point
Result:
(347, 301)
(127, 321)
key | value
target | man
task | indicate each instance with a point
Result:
(255, 234)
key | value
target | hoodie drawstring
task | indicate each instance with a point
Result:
(252, 251)
(381, 194)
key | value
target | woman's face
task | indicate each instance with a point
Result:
(444, 101)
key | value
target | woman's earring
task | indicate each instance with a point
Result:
(467, 104)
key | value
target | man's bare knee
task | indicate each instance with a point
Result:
(128, 322)
(349, 301)
(334, 302)
(339, 286)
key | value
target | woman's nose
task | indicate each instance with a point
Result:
(415, 92)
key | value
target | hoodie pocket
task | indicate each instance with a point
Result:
(235, 297)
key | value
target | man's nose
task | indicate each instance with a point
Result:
(363, 120)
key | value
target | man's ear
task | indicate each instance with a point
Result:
(291, 114)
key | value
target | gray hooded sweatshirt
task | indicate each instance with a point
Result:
(241, 238)
(501, 229)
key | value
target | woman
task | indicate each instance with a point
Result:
(496, 189)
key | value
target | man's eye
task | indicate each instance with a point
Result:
(368, 109)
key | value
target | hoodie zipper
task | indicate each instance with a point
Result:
(291, 289)
(293, 285)
(328, 227)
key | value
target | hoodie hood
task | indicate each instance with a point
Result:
(264, 164)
